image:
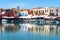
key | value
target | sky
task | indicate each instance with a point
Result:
(28, 4)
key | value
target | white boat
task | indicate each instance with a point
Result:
(4, 21)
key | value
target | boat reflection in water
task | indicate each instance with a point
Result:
(40, 29)
(46, 30)
(26, 31)
(9, 27)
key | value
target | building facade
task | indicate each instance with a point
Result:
(48, 11)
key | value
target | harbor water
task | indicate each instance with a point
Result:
(28, 31)
(34, 29)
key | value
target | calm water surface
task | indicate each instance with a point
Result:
(26, 31)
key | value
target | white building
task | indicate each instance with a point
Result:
(24, 13)
(47, 11)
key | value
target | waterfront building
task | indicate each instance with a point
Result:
(53, 12)
(49, 11)
(9, 13)
(14, 9)
(18, 8)
(38, 11)
(58, 11)
(23, 13)
(30, 13)
(46, 12)
(1, 10)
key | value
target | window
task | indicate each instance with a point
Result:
(36, 12)
(46, 10)
(51, 11)
(51, 14)
(56, 10)
(56, 14)
(39, 11)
